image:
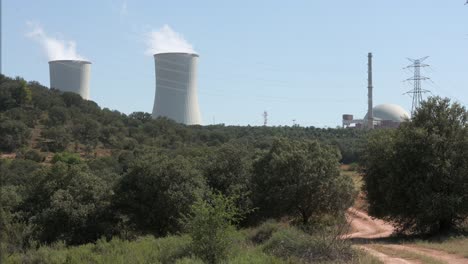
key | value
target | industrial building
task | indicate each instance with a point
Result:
(384, 116)
(176, 87)
(380, 116)
(70, 76)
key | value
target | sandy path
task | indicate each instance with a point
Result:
(366, 228)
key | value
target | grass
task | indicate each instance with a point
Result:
(272, 242)
(453, 245)
(405, 254)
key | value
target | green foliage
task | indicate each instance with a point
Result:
(34, 155)
(301, 178)
(417, 176)
(291, 243)
(157, 190)
(264, 232)
(73, 204)
(13, 135)
(157, 169)
(210, 224)
(144, 250)
(66, 157)
(228, 170)
(56, 139)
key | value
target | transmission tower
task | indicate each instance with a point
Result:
(265, 118)
(417, 91)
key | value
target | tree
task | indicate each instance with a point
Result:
(56, 139)
(228, 170)
(157, 190)
(67, 202)
(13, 134)
(417, 176)
(300, 178)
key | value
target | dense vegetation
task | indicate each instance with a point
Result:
(417, 175)
(73, 173)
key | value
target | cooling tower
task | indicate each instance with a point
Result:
(70, 76)
(176, 87)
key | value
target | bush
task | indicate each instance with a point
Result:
(73, 204)
(55, 139)
(416, 176)
(210, 224)
(67, 157)
(34, 155)
(13, 134)
(264, 232)
(157, 190)
(292, 243)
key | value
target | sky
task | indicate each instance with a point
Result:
(302, 61)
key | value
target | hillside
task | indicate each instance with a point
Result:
(73, 173)
(49, 121)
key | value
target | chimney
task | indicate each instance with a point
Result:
(370, 114)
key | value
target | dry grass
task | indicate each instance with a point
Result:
(455, 245)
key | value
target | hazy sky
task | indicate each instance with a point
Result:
(303, 60)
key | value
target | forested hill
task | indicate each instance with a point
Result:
(73, 172)
(37, 122)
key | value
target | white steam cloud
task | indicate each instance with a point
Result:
(166, 40)
(56, 49)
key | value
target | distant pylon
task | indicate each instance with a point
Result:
(265, 118)
(417, 91)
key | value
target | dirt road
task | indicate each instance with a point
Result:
(369, 235)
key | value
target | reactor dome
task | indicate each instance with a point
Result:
(390, 112)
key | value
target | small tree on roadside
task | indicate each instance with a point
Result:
(417, 176)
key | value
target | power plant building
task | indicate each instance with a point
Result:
(385, 116)
(176, 87)
(70, 76)
(380, 116)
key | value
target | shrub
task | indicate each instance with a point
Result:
(156, 191)
(13, 134)
(67, 157)
(290, 243)
(34, 155)
(264, 232)
(210, 224)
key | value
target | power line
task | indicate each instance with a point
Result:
(417, 91)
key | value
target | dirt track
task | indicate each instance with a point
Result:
(367, 232)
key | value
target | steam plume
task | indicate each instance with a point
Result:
(56, 49)
(166, 40)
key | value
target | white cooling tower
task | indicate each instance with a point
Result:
(70, 76)
(176, 87)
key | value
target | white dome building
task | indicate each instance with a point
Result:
(389, 115)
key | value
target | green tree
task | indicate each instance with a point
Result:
(228, 170)
(67, 202)
(417, 176)
(55, 139)
(13, 134)
(157, 190)
(301, 178)
(211, 225)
